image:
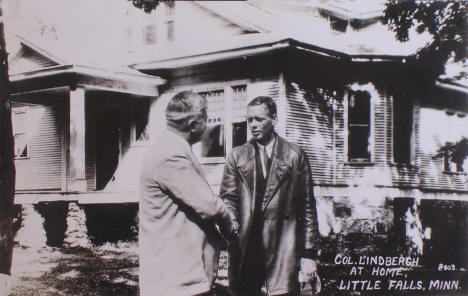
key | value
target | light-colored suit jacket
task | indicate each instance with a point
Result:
(179, 244)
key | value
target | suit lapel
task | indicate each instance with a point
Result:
(247, 170)
(279, 170)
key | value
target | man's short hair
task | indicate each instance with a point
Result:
(184, 107)
(269, 103)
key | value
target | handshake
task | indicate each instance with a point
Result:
(233, 233)
(229, 227)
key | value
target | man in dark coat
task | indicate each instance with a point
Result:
(267, 184)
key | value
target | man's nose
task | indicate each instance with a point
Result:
(253, 123)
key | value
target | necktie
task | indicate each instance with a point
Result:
(266, 159)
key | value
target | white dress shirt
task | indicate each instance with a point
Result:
(269, 151)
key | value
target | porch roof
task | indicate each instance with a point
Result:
(93, 78)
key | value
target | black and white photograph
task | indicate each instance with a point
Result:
(233, 148)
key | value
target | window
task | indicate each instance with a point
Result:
(226, 126)
(21, 148)
(213, 142)
(170, 30)
(239, 113)
(454, 155)
(149, 34)
(338, 25)
(170, 7)
(129, 38)
(402, 130)
(359, 110)
(20, 121)
(448, 164)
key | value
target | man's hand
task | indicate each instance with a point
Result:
(308, 270)
(231, 231)
(235, 227)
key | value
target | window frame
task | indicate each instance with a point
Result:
(370, 144)
(20, 110)
(450, 167)
(150, 34)
(411, 154)
(227, 87)
(216, 159)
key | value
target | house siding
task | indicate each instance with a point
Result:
(42, 169)
(450, 128)
(312, 129)
(29, 60)
(319, 125)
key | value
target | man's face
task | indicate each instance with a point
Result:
(261, 124)
(198, 128)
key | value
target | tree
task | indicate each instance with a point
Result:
(454, 152)
(445, 21)
(7, 165)
(146, 5)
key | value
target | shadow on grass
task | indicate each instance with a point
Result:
(86, 272)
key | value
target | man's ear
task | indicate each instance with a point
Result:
(192, 125)
(275, 119)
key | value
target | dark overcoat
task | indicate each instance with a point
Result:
(289, 213)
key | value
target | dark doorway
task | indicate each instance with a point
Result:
(108, 127)
(448, 221)
(112, 222)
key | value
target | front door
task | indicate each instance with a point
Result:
(108, 142)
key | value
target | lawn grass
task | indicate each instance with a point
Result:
(80, 271)
(105, 270)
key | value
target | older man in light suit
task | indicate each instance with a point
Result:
(178, 211)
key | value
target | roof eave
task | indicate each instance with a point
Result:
(138, 84)
(186, 61)
(453, 86)
(211, 57)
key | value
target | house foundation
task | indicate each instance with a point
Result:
(70, 224)
(380, 226)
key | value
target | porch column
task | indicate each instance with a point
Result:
(77, 140)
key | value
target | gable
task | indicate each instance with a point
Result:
(192, 20)
(243, 14)
(28, 60)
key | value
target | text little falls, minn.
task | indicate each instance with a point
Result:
(388, 273)
(398, 285)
